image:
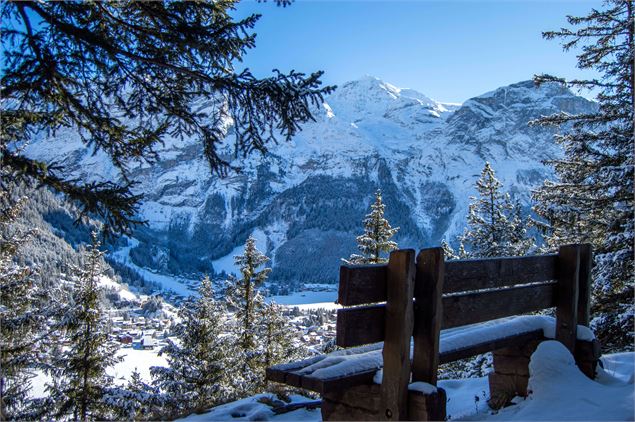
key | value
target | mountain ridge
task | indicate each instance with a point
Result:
(304, 201)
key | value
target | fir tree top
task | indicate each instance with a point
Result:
(243, 295)
(376, 237)
(250, 260)
(495, 225)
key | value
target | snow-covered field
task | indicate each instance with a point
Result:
(308, 299)
(559, 392)
(136, 359)
(133, 359)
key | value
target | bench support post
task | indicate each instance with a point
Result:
(511, 373)
(361, 403)
(587, 354)
(399, 324)
(427, 406)
(567, 290)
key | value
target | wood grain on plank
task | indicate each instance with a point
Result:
(470, 308)
(347, 381)
(360, 284)
(465, 275)
(360, 325)
(365, 324)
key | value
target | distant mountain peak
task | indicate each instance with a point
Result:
(370, 97)
(372, 83)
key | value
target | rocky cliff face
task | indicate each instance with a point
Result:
(305, 200)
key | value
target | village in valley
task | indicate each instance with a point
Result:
(149, 325)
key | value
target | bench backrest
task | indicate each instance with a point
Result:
(461, 292)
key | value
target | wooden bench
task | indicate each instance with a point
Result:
(407, 302)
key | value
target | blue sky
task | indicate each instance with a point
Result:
(449, 50)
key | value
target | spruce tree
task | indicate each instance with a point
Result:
(376, 238)
(243, 296)
(79, 371)
(278, 341)
(592, 199)
(136, 401)
(125, 76)
(495, 225)
(521, 240)
(20, 319)
(143, 400)
(448, 252)
(201, 364)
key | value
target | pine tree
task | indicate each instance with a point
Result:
(79, 371)
(127, 75)
(20, 319)
(495, 227)
(592, 198)
(376, 238)
(201, 364)
(243, 296)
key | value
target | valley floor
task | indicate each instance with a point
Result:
(560, 392)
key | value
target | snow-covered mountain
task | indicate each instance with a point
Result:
(305, 200)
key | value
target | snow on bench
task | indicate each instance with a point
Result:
(344, 368)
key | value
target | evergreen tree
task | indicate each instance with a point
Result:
(125, 76)
(201, 364)
(278, 342)
(137, 401)
(20, 319)
(376, 238)
(243, 296)
(79, 371)
(592, 198)
(520, 238)
(495, 226)
(448, 251)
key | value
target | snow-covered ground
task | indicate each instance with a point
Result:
(136, 359)
(251, 409)
(559, 392)
(124, 293)
(133, 359)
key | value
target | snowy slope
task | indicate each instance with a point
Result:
(559, 392)
(306, 198)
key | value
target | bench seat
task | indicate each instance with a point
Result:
(347, 368)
